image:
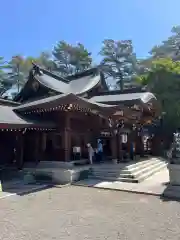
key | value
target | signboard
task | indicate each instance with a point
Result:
(105, 133)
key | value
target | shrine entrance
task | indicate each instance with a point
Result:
(49, 148)
(106, 141)
(31, 147)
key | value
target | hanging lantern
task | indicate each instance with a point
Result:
(148, 122)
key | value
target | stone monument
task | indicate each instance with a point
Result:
(173, 188)
(174, 164)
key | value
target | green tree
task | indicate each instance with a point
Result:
(119, 60)
(17, 71)
(169, 47)
(45, 60)
(71, 59)
(19, 67)
(163, 80)
(5, 82)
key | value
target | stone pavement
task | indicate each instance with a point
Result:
(155, 185)
(74, 213)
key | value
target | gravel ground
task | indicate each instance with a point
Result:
(80, 213)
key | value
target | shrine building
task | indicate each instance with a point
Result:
(51, 115)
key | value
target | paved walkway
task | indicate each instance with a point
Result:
(155, 185)
(73, 213)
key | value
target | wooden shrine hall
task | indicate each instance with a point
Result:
(51, 115)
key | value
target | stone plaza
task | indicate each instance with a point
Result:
(74, 212)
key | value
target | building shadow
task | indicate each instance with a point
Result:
(90, 182)
(12, 182)
(35, 190)
(21, 189)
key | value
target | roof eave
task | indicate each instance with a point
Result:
(66, 99)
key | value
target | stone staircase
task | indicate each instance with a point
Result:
(128, 172)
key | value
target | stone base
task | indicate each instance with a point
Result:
(67, 165)
(61, 174)
(29, 178)
(174, 174)
(172, 191)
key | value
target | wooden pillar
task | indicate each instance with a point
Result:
(67, 138)
(120, 151)
(141, 147)
(138, 145)
(156, 145)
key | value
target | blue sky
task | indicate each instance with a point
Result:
(31, 26)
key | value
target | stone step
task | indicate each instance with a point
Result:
(132, 180)
(150, 173)
(113, 175)
(111, 179)
(119, 169)
(124, 166)
(143, 165)
(127, 173)
(135, 176)
(140, 172)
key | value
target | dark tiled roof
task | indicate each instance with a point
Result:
(142, 96)
(41, 103)
(56, 101)
(52, 83)
(77, 84)
(10, 119)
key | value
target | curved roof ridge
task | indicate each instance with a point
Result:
(84, 81)
(51, 74)
(145, 97)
